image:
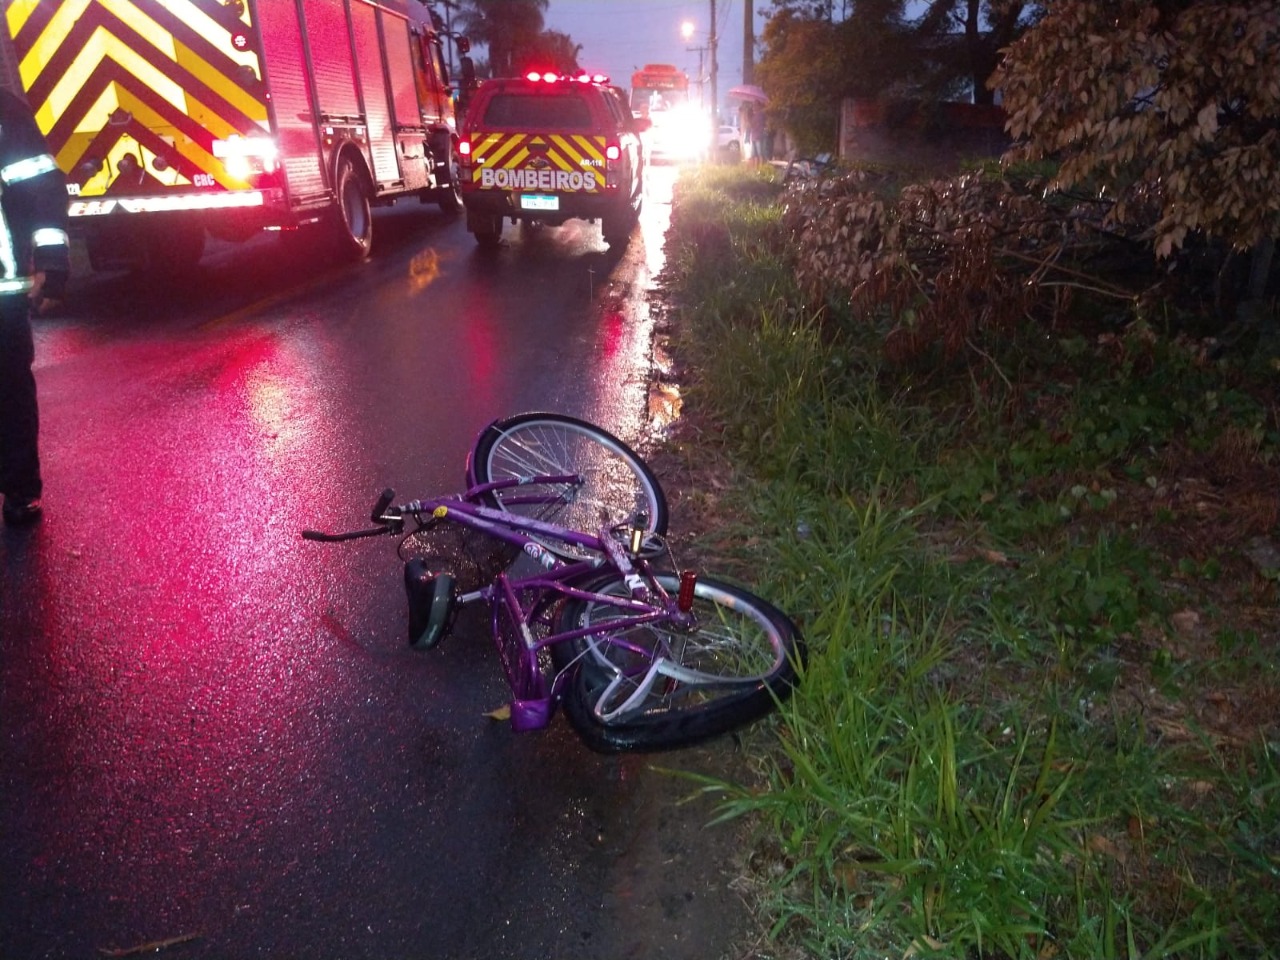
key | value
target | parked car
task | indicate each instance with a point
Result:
(728, 144)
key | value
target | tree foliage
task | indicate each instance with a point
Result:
(510, 29)
(549, 50)
(801, 67)
(965, 37)
(820, 52)
(1172, 105)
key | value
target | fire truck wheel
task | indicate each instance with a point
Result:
(616, 228)
(486, 229)
(355, 218)
(451, 191)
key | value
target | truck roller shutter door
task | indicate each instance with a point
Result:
(330, 43)
(404, 93)
(373, 83)
(284, 62)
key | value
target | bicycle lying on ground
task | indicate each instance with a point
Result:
(642, 654)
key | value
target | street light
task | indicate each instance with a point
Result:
(686, 32)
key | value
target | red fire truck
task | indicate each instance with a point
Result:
(680, 130)
(174, 119)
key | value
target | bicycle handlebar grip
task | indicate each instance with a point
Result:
(384, 501)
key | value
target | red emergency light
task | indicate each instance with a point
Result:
(534, 76)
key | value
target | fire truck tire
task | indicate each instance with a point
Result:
(486, 229)
(616, 228)
(450, 191)
(354, 214)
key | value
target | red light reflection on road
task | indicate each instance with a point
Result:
(170, 634)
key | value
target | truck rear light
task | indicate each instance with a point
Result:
(464, 148)
(613, 152)
(245, 156)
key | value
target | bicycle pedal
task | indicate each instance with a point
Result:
(432, 603)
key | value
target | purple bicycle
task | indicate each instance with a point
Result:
(561, 532)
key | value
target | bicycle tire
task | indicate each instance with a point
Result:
(617, 482)
(751, 645)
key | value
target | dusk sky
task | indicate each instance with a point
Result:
(619, 35)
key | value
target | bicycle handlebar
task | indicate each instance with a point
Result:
(350, 535)
(385, 524)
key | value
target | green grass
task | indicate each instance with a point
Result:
(1010, 739)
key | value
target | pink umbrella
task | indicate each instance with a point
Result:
(749, 92)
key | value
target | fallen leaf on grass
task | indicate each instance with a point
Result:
(924, 944)
(502, 713)
(1186, 622)
(996, 557)
(1097, 843)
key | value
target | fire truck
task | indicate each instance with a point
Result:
(179, 119)
(680, 130)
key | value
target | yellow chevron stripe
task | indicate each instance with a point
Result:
(103, 45)
(187, 147)
(217, 36)
(17, 13)
(559, 160)
(225, 86)
(583, 147)
(47, 44)
(502, 149)
(568, 152)
(73, 153)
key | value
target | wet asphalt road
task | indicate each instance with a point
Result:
(213, 737)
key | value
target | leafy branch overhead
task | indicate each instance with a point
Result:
(1176, 103)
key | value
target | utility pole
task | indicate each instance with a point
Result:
(711, 44)
(748, 43)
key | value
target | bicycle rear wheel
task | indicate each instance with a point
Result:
(615, 483)
(656, 686)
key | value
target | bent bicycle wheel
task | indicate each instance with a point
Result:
(613, 486)
(656, 686)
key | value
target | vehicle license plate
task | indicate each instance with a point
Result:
(538, 201)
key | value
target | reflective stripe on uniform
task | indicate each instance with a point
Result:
(20, 285)
(50, 237)
(8, 262)
(27, 169)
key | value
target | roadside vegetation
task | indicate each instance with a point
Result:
(1007, 444)
(1024, 507)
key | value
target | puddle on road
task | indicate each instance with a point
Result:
(664, 396)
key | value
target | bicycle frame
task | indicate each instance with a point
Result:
(560, 530)
(524, 599)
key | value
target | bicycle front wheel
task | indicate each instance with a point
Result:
(614, 484)
(658, 686)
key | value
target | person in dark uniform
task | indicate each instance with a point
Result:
(34, 263)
